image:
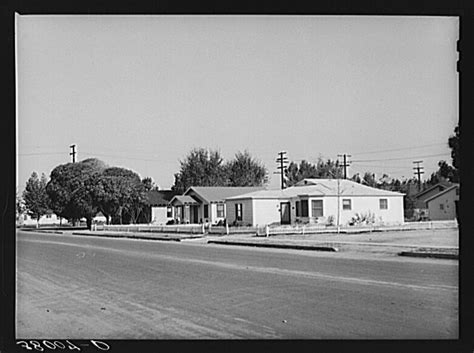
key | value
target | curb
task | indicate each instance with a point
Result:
(280, 246)
(127, 236)
(43, 231)
(429, 254)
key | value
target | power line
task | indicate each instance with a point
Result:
(41, 153)
(401, 149)
(398, 159)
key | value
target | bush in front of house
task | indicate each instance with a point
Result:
(362, 218)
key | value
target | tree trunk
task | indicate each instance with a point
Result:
(89, 223)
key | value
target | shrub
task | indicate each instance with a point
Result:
(362, 218)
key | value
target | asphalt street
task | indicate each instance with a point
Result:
(107, 288)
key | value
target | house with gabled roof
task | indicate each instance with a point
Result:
(421, 197)
(443, 205)
(315, 201)
(205, 204)
(160, 211)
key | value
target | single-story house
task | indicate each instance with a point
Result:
(442, 206)
(205, 204)
(315, 201)
(421, 197)
(49, 219)
(161, 211)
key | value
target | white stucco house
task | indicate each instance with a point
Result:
(205, 204)
(49, 219)
(160, 210)
(315, 201)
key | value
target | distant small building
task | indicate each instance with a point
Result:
(49, 219)
(421, 197)
(315, 201)
(442, 206)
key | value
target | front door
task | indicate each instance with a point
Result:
(195, 214)
(285, 213)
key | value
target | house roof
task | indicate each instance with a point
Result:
(454, 186)
(220, 193)
(183, 200)
(160, 197)
(442, 184)
(321, 188)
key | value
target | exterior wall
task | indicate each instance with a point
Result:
(449, 208)
(420, 202)
(266, 211)
(159, 215)
(359, 204)
(247, 211)
(364, 204)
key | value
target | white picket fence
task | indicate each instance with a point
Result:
(275, 230)
(179, 228)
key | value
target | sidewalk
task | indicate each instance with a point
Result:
(426, 243)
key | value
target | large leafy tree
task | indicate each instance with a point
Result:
(244, 170)
(321, 169)
(120, 191)
(35, 198)
(72, 189)
(200, 168)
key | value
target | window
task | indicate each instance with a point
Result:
(169, 212)
(238, 211)
(441, 206)
(220, 210)
(304, 208)
(297, 208)
(383, 204)
(457, 191)
(25, 217)
(317, 208)
(48, 216)
(346, 204)
(206, 211)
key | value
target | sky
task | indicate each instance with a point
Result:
(141, 91)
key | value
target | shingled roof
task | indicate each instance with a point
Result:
(220, 193)
(319, 187)
(160, 197)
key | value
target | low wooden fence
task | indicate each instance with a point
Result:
(180, 228)
(315, 229)
(275, 230)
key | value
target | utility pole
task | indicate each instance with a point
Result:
(419, 171)
(345, 163)
(282, 161)
(73, 153)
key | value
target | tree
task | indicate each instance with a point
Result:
(322, 169)
(447, 172)
(453, 143)
(119, 190)
(35, 196)
(244, 170)
(19, 206)
(149, 184)
(73, 187)
(200, 168)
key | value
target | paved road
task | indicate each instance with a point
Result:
(88, 287)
